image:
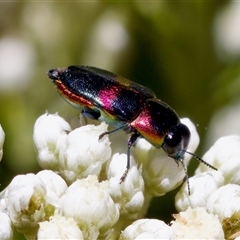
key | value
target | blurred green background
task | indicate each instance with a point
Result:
(187, 51)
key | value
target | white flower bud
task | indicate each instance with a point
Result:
(160, 172)
(49, 136)
(59, 227)
(55, 186)
(224, 202)
(202, 186)
(3, 205)
(128, 194)
(89, 203)
(5, 227)
(25, 199)
(84, 153)
(2, 138)
(225, 156)
(194, 140)
(147, 229)
(197, 224)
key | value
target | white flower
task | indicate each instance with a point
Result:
(2, 138)
(89, 209)
(227, 33)
(25, 201)
(235, 236)
(59, 227)
(5, 227)
(225, 156)
(194, 139)
(49, 136)
(202, 186)
(55, 186)
(197, 224)
(84, 153)
(224, 202)
(129, 195)
(89, 203)
(147, 229)
(3, 206)
(17, 63)
(160, 172)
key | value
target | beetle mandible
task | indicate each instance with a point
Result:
(125, 105)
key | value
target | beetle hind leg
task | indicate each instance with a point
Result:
(131, 142)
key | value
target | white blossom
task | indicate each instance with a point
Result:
(5, 227)
(197, 224)
(25, 201)
(113, 40)
(43, 206)
(147, 229)
(55, 186)
(84, 153)
(194, 138)
(224, 202)
(17, 63)
(3, 205)
(2, 138)
(225, 156)
(202, 186)
(49, 136)
(129, 195)
(161, 173)
(59, 227)
(89, 203)
(227, 30)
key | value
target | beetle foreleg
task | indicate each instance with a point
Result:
(186, 178)
(131, 141)
(91, 113)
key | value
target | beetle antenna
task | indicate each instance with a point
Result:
(185, 169)
(201, 160)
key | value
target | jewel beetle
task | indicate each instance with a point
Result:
(125, 105)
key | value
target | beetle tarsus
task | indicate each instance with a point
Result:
(123, 177)
(186, 178)
(102, 135)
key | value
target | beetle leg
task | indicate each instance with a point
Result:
(91, 113)
(112, 131)
(131, 142)
(186, 178)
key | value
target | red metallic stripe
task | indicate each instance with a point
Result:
(72, 97)
(143, 124)
(107, 96)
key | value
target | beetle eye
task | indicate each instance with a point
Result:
(176, 141)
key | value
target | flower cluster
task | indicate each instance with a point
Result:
(218, 192)
(78, 194)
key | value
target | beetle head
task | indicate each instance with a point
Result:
(176, 141)
(175, 145)
(55, 74)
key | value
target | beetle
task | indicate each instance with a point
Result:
(125, 105)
